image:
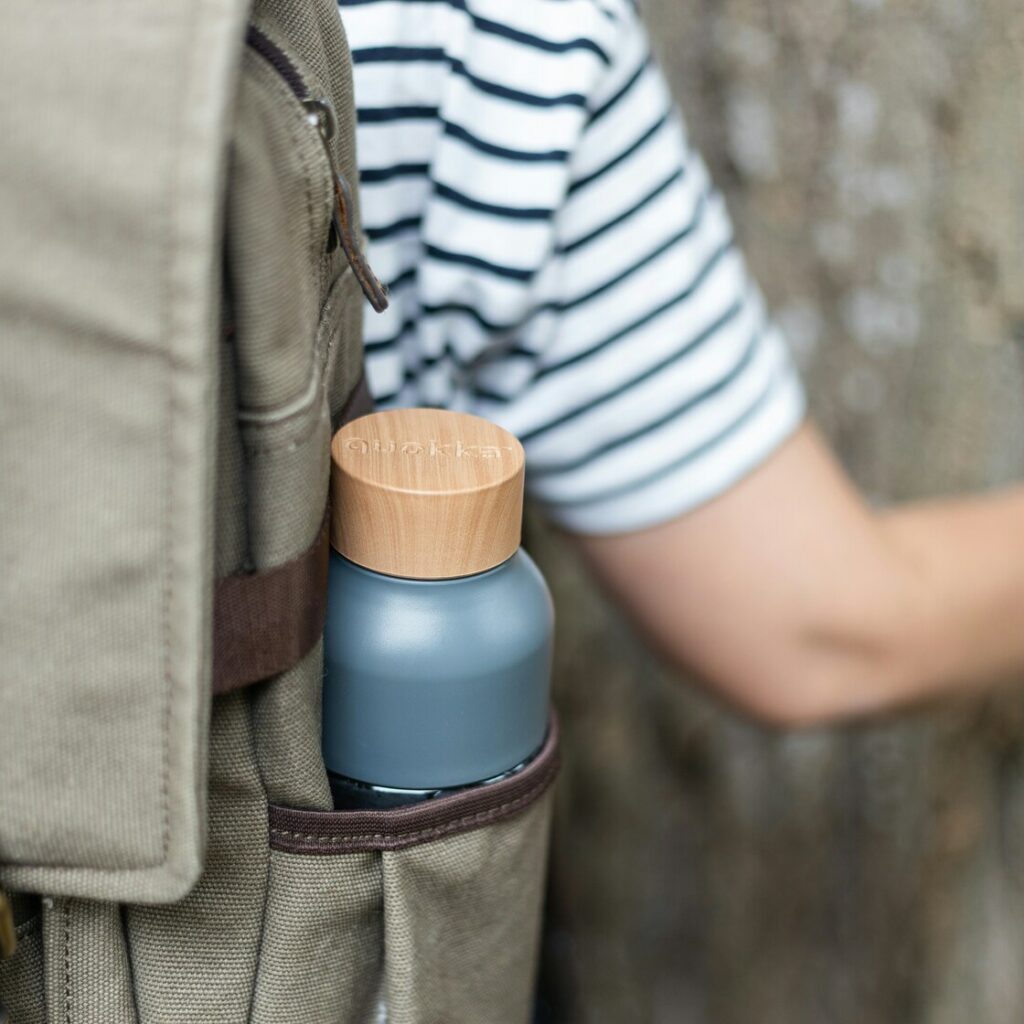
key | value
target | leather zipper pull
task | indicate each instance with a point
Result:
(321, 116)
(374, 289)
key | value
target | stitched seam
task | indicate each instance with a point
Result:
(311, 407)
(309, 175)
(314, 386)
(268, 861)
(339, 326)
(133, 986)
(170, 413)
(331, 325)
(326, 325)
(326, 345)
(67, 964)
(481, 817)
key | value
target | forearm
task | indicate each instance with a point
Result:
(933, 608)
(968, 556)
(800, 604)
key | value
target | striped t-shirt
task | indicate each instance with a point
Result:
(558, 259)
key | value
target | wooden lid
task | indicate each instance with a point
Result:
(425, 493)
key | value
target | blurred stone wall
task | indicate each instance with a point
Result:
(707, 872)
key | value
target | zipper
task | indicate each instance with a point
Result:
(320, 116)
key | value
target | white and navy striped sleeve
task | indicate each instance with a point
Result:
(559, 259)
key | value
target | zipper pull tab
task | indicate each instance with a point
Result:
(374, 289)
(321, 116)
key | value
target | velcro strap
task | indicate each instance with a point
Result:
(265, 622)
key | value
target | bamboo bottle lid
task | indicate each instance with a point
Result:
(426, 493)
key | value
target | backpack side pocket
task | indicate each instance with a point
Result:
(418, 914)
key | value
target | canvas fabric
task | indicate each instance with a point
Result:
(180, 339)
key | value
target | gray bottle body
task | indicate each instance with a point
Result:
(435, 684)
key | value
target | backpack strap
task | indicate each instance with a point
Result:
(265, 622)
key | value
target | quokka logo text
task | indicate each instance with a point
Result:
(429, 449)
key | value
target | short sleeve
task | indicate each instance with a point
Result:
(558, 259)
(656, 378)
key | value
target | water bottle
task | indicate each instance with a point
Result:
(439, 625)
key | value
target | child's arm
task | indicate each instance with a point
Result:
(800, 604)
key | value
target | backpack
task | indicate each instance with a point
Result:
(181, 295)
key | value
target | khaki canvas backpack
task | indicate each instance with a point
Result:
(181, 291)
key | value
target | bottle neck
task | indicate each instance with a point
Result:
(441, 580)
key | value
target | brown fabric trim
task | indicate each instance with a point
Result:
(332, 832)
(265, 622)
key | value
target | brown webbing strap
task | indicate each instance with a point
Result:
(265, 622)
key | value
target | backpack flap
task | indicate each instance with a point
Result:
(114, 124)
